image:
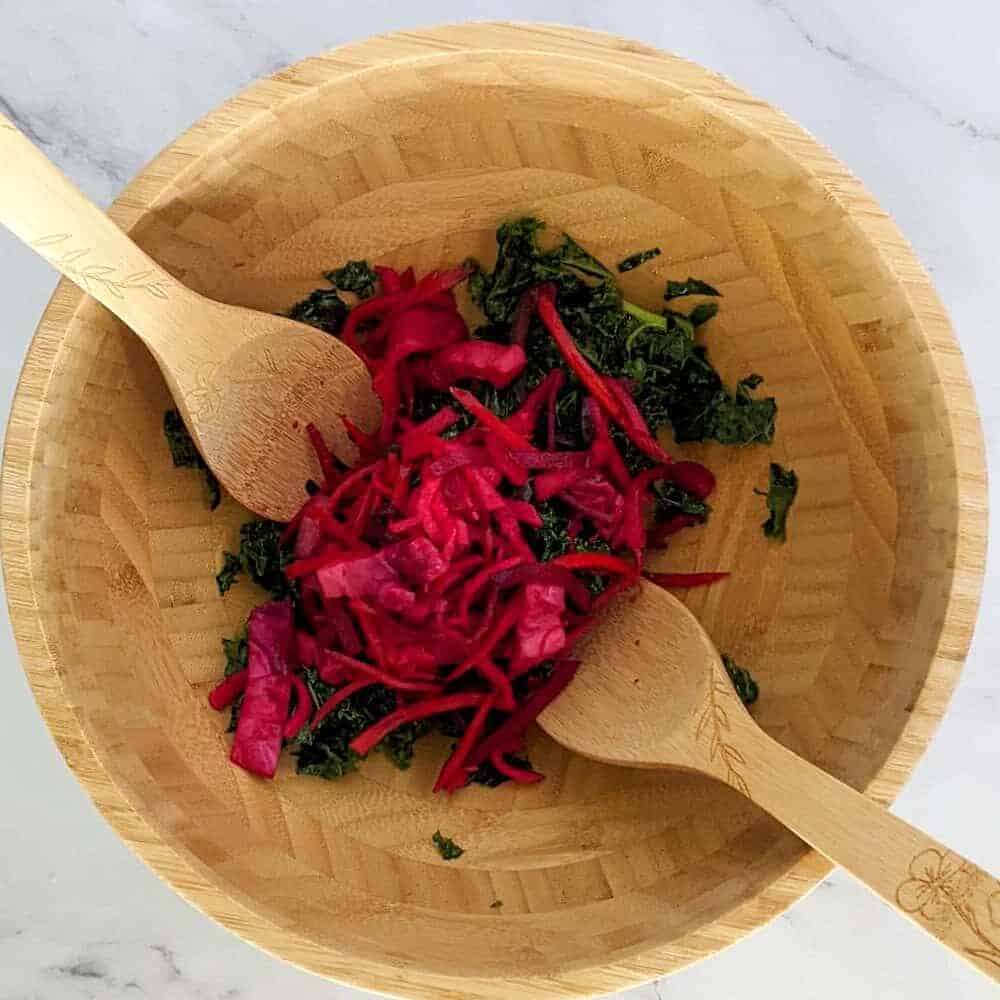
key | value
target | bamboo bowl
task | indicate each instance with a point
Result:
(410, 149)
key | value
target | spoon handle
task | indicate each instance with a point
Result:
(42, 207)
(947, 895)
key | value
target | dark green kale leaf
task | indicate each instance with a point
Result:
(489, 777)
(671, 499)
(702, 313)
(236, 653)
(497, 292)
(446, 847)
(232, 567)
(706, 410)
(597, 583)
(398, 745)
(261, 557)
(521, 264)
(781, 491)
(552, 538)
(184, 453)
(325, 751)
(746, 686)
(502, 402)
(324, 309)
(569, 253)
(182, 447)
(672, 380)
(633, 261)
(355, 276)
(677, 289)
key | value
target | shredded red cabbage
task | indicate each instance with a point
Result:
(415, 569)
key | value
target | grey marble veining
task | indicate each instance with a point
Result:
(906, 94)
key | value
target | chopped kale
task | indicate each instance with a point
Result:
(746, 686)
(324, 309)
(261, 557)
(446, 847)
(781, 491)
(398, 745)
(670, 376)
(597, 583)
(706, 410)
(355, 276)
(702, 313)
(552, 538)
(522, 265)
(671, 499)
(180, 442)
(452, 724)
(234, 713)
(633, 261)
(678, 289)
(232, 566)
(569, 253)
(236, 652)
(184, 452)
(325, 751)
(489, 777)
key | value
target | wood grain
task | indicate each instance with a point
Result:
(245, 382)
(409, 149)
(652, 691)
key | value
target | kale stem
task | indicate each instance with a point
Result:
(644, 315)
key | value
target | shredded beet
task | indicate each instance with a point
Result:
(416, 571)
(685, 581)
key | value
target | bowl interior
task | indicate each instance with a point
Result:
(416, 163)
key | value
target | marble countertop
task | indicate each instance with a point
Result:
(909, 99)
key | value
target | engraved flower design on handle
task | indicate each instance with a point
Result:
(933, 877)
(941, 887)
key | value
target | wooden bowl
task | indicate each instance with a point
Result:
(410, 149)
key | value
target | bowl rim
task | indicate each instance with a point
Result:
(40, 662)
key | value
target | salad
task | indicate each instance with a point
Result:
(442, 581)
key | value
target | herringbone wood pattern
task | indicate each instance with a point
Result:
(410, 149)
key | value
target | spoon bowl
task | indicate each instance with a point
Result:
(644, 679)
(653, 692)
(247, 383)
(248, 409)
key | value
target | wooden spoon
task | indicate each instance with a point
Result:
(245, 382)
(652, 692)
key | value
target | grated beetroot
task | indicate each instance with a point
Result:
(414, 569)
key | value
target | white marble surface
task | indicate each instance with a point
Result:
(906, 93)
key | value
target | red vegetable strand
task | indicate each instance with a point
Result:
(303, 708)
(228, 690)
(330, 475)
(508, 770)
(685, 581)
(374, 735)
(418, 570)
(601, 389)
